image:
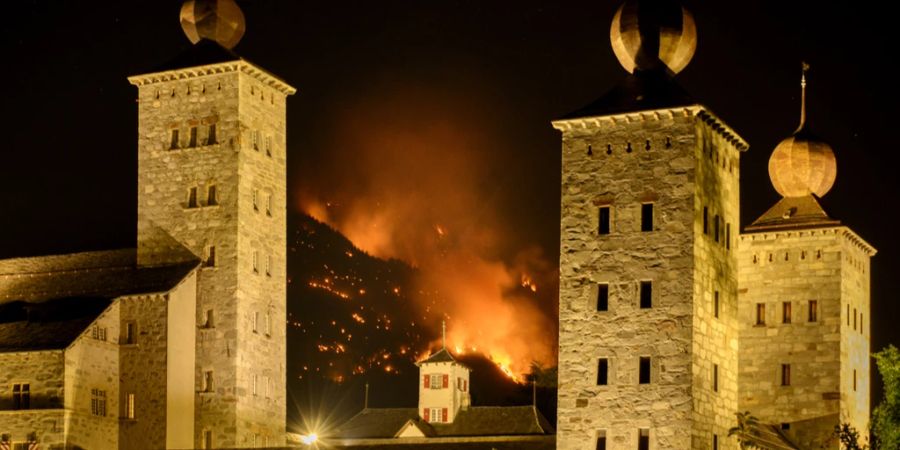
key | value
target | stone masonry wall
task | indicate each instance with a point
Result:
(44, 372)
(622, 174)
(855, 331)
(793, 267)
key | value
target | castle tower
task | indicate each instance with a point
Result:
(443, 387)
(648, 270)
(212, 187)
(804, 302)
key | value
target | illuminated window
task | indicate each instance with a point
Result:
(760, 313)
(129, 406)
(439, 381)
(98, 402)
(644, 370)
(646, 293)
(601, 440)
(813, 311)
(604, 220)
(192, 198)
(785, 374)
(602, 297)
(602, 372)
(786, 312)
(211, 135)
(644, 439)
(21, 396)
(173, 142)
(192, 140)
(647, 217)
(212, 196)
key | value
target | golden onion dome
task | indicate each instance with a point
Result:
(216, 20)
(653, 35)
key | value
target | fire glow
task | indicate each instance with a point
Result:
(421, 193)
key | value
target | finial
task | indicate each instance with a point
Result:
(366, 403)
(805, 68)
(443, 334)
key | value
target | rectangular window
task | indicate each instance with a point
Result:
(22, 396)
(212, 197)
(716, 228)
(603, 372)
(813, 311)
(192, 198)
(860, 323)
(210, 256)
(715, 445)
(646, 294)
(98, 333)
(211, 136)
(728, 236)
(854, 318)
(854, 380)
(785, 374)
(647, 217)
(173, 143)
(644, 439)
(760, 313)
(129, 336)
(192, 142)
(208, 381)
(129, 406)
(715, 378)
(98, 402)
(269, 205)
(207, 439)
(268, 323)
(254, 136)
(786, 312)
(716, 304)
(255, 385)
(644, 370)
(848, 314)
(604, 220)
(601, 440)
(255, 261)
(602, 297)
(705, 220)
(210, 322)
(256, 322)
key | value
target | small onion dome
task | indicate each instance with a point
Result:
(216, 20)
(802, 164)
(653, 35)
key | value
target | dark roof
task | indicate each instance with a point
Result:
(793, 213)
(203, 53)
(442, 355)
(375, 423)
(640, 91)
(46, 302)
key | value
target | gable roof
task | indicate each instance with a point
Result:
(442, 355)
(375, 423)
(793, 213)
(46, 302)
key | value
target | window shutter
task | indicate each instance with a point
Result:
(426, 415)
(427, 385)
(466, 385)
(444, 415)
(446, 380)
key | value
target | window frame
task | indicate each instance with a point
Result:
(648, 221)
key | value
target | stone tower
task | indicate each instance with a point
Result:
(648, 328)
(804, 303)
(212, 187)
(443, 387)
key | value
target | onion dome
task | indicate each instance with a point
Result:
(802, 164)
(653, 35)
(220, 21)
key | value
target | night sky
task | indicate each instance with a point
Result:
(443, 78)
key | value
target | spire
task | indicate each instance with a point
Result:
(805, 68)
(366, 402)
(443, 334)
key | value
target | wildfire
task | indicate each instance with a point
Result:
(528, 283)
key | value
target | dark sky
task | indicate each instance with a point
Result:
(501, 69)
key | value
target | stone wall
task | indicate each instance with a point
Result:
(42, 370)
(622, 162)
(796, 266)
(247, 108)
(92, 364)
(46, 426)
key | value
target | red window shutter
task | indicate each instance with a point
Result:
(446, 380)
(444, 415)
(427, 383)
(426, 415)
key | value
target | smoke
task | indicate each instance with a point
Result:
(414, 177)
